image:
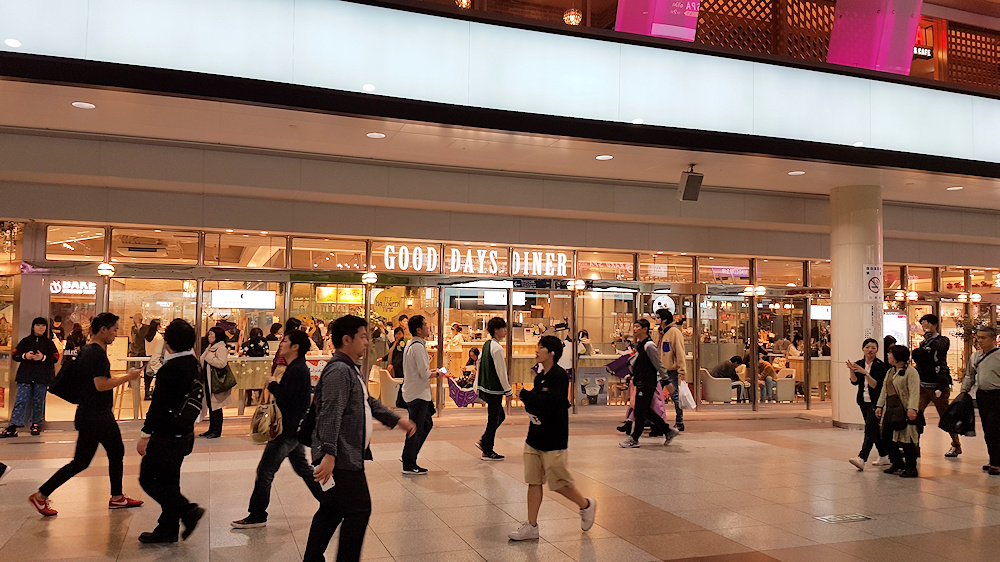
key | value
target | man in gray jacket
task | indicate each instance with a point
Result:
(984, 372)
(344, 413)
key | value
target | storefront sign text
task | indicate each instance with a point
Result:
(348, 295)
(405, 258)
(387, 303)
(540, 264)
(63, 287)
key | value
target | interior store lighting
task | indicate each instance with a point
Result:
(760, 290)
(955, 188)
(604, 157)
(796, 173)
(573, 16)
(748, 290)
(83, 105)
(374, 135)
(962, 297)
(464, 4)
(105, 269)
(369, 278)
(900, 295)
(976, 297)
(912, 296)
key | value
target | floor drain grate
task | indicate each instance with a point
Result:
(844, 518)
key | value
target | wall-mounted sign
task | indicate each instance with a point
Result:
(465, 260)
(387, 303)
(344, 295)
(66, 287)
(542, 263)
(410, 258)
(225, 298)
(742, 272)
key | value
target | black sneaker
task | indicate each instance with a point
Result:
(479, 444)
(625, 427)
(11, 431)
(909, 473)
(893, 469)
(415, 471)
(191, 519)
(4, 470)
(491, 456)
(157, 536)
(36, 429)
(994, 471)
(679, 426)
(249, 522)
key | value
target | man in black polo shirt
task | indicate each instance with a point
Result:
(164, 443)
(94, 419)
(292, 396)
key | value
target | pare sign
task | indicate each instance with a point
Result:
(63, 287)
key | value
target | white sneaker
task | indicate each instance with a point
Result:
(524, 533)
(587, 514)
(881, 461)
(674, 432)
(629, 444)
(858, 463)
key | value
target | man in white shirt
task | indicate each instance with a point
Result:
(417, 393)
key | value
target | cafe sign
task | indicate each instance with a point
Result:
(541, 263)
(66, 287)
(477, 260)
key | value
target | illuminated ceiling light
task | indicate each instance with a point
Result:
(83, 105)
(105, 269)
(369, 278)
(955, 188)
(859, 144)
(12, 43)
(67, 246)
(790, 284)
(376, 135)
(464, 4)
(573, 16)
(157, 230)
(263, 232)
(229, 230)
(638, 121)
(760, 290)
(912, 296)
(963, 297)
(976, 297)
(748, 290)
(603, 157)
(368, 87)
(885, 305)
(684, 253)
(900, 295)
(796, 173)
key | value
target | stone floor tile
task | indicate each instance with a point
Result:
(611, 549)
(764, 537)
(694, 544)
(818, 553)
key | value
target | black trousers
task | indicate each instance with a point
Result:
(160, 478)
(275, 452)
(989, 412)
(904, 454)
(643, 409)
(215, 421)
(348, 505)
(93, 431)
(873, 433)
(494, 417)
(420, 415)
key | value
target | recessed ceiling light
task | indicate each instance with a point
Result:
(376, 135)
(956, 188)
(12, 43)
(157, 230)
(604, 157)
(684, 253)
(83, 105)
(368, 87)
(263, 232)
(859, 144)
(229, 230)
(796, 173)
(638, 121)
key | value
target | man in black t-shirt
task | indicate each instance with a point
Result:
(94, 419)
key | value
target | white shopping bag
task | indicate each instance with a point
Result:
(685, 397)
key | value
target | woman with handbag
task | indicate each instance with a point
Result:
(215, 365)
(897, 408)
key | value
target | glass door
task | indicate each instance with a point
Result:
(391, 308)
(467, 310)
(781, 368)
(722, 337)
(537, 313)
(604, 318)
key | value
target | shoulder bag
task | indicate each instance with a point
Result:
(894, 415)
(266, 422)
(221, 380)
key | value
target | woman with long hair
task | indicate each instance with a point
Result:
(37, 356)
(215, 355)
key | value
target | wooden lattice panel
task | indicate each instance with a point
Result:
(807, 26)
(740, 25)
(973, 56)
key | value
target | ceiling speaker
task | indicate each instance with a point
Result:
(690, 185)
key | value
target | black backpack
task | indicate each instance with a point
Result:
(69, 383)
(184, 416)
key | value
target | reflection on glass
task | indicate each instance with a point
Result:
(244, 250)
(666, 267)
(730, 271)
(74, 243)
(779, 273)
(324, 253)
(154, 246)
(605, 265)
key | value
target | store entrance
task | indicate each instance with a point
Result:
(784, 351)
(723, 335)
(73, 301)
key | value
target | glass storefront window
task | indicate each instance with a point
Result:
(154, 246)
(604, 320)
(984, 279)
(330, 254)
(821, 273)
(245, 250)
(238, 306)
(6, 337)
(327, 301)
(74, 243)
(779, 273)
(920, 278)
(730, 271)
(605, 265)
(892, 277)
(951, 315)
(952, 280)
(666, 268)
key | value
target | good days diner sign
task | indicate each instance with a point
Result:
(477, 260)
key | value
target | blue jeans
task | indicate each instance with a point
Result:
(768, 388)
(674, 378)
(35, 392)
(275, 452)
(420, 415)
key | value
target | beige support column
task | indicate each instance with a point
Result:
(856, 256)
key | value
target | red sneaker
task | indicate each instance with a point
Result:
(43, 506)
(123, 502)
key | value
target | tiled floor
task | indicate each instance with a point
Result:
(735, 486)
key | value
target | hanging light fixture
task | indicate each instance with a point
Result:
(900, 296)
(976, 297)
(912, 296)
(962, 297)
(573, 16)
(105, 269)
(369, 278)
(760, 290)
(748, 290)
(464, 4)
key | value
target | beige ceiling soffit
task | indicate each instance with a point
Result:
(940, 237)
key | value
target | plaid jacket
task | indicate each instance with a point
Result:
(340, 415)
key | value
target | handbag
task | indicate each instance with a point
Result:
(894, 416)
(221, 380)
(266, 422)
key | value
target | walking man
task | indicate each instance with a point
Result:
(868, 374)
(340, 440)
(165, 443)
(417, 393)
(646, 367)
(545, 456)
(937, 389)
(984, 370)
(94, 418)
(673, 356)
(292, 396)
(492, 385)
